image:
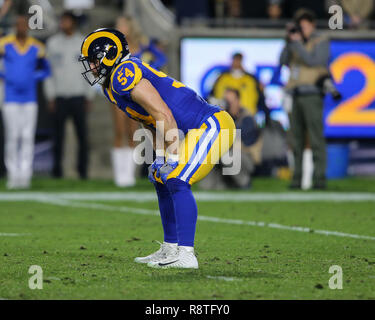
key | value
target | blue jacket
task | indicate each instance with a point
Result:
(24, 66)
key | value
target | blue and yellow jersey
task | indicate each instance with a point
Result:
(23, 67)
(188, 108)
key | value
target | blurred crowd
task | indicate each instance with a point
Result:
(357, 13)
(36, 73)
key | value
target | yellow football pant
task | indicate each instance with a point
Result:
(202, 148)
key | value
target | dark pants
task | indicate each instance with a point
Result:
(307, 118)
(2, 165)
(74, 108)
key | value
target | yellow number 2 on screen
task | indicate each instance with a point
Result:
(353, 111)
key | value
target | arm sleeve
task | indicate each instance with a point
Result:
(284, 56)
(125, 77)
(1, 65)
(317, 57)
(44, 70)
(41, 51)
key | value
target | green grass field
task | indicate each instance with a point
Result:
(248, 249)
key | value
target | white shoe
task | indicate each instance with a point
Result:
(166, 249)
(130, 166)
(14, 183)
(183, 258)
(24, 183)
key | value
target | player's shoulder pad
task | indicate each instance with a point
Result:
(7, 39)
(4, 41)
(125, 76)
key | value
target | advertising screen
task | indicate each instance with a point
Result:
(352, 65)
(203, 59)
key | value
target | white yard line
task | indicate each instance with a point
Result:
(104, 207)
(4, 234)
(97, 206)
(199, 195)
(223, 278)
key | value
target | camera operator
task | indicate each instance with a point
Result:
(306, 53)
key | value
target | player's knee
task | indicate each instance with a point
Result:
(175, 185)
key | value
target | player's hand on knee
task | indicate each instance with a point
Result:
(166, 169)
(157, 164)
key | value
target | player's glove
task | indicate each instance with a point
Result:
(166, 169)
(154, 167)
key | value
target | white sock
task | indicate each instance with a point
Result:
(129, 164)
(307, 169)
(119, 172)
(171, 243)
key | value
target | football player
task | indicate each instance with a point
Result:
(151, 97)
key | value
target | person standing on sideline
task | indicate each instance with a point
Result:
(24, 65)
(307, 54)
(67, 93)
